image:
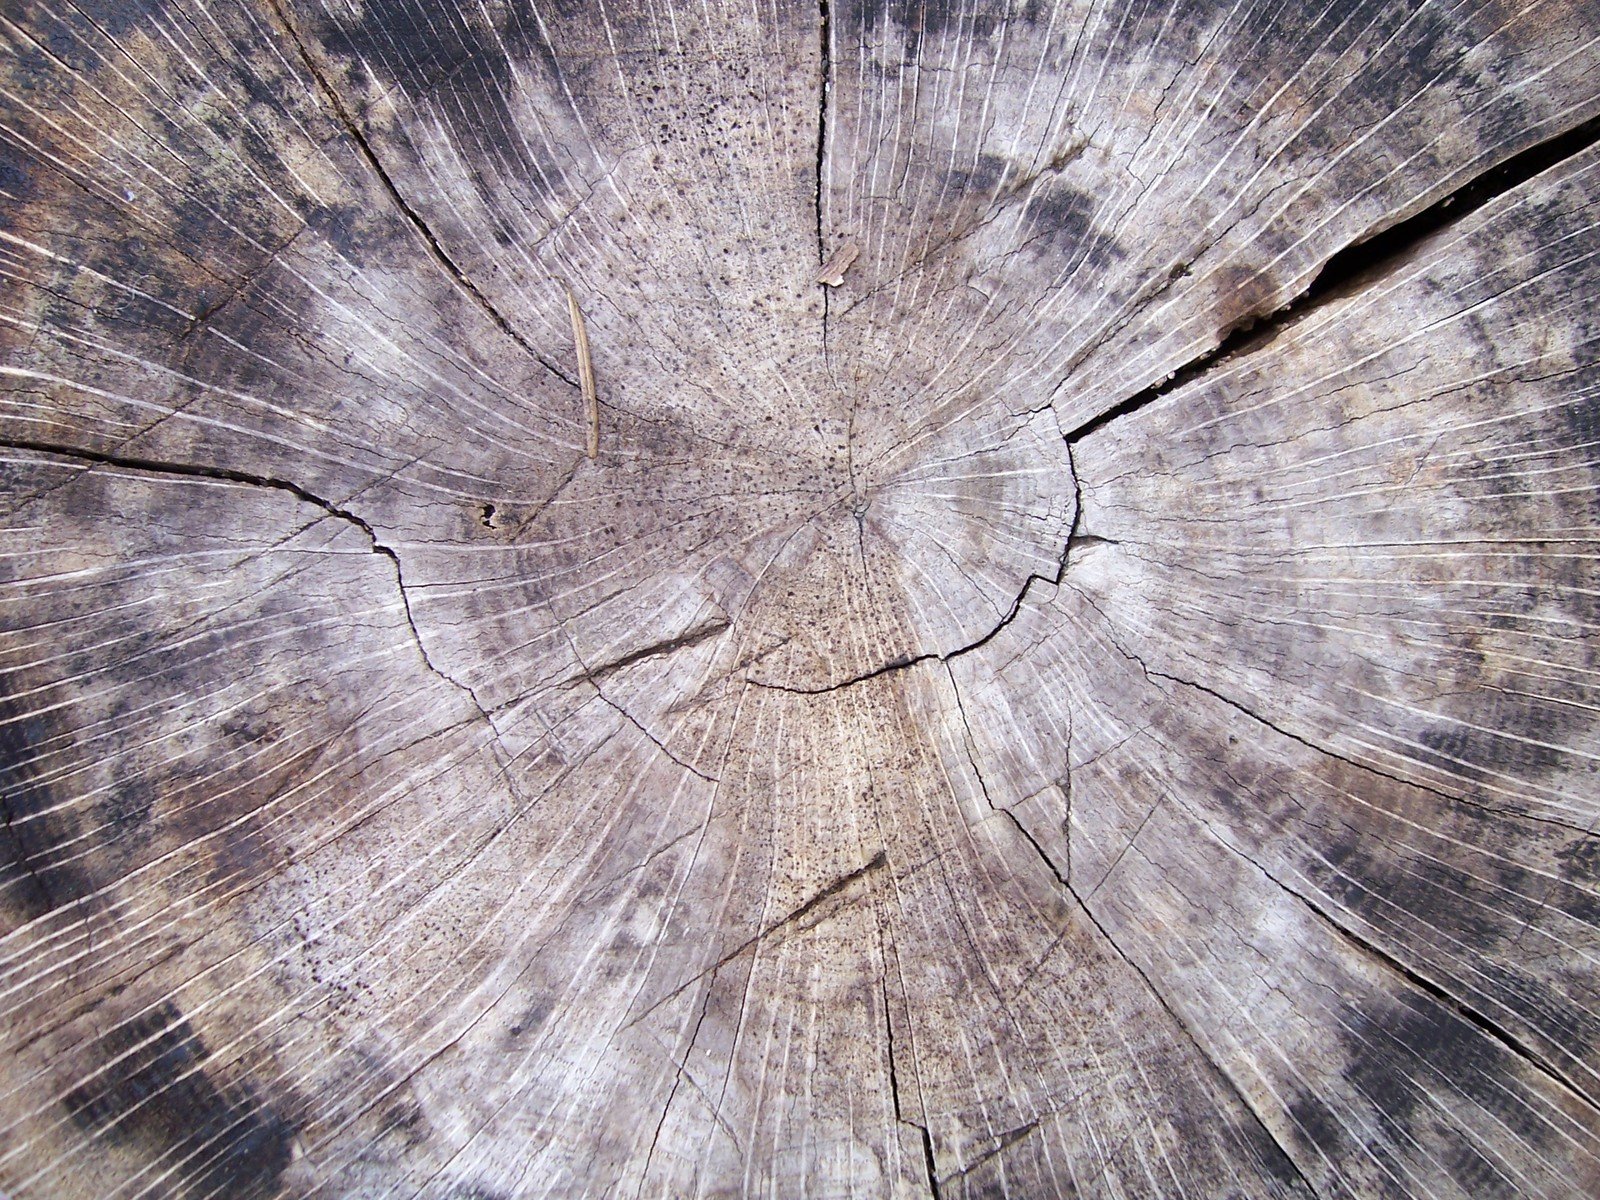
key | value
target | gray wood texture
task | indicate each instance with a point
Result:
(928, 599)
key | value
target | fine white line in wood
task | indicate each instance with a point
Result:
(591, 396)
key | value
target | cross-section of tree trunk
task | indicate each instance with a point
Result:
(925, 599)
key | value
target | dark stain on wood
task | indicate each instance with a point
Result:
(1463, 749)
(460, 59)
(1414, 1054)
(152, 1090)
(474, 1192)
(939, 19)
(37, 872)
(118, 18)
(1063, 216)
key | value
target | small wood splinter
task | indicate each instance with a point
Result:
(833, 270)
(591, 396)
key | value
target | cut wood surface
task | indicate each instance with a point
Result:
(929, 599)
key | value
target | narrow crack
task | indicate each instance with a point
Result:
(236, 289)
(988, 799)
(928, 1160)
(666, 1109)
(1360, 766)
(1461, 1007)
(25, 858)
(1003, 1142)
(877, 862)
(1441, 997)
(654, 741)
(911, 660)
(901, 663)
(413, 217)
(1360, 263)
(825, 34)
(1044, 857)
(1189, 1034)
(691, 637)
(900, 1117)
(1064, 785)
(1328, 752)
(1525, 1053)
(894, 1096)
(1200, 1049)
(231, 475)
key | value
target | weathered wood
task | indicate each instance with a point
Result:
(976, 721)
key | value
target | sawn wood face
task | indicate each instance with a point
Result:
(1053, 658)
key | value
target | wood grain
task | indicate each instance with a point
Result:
(915, 599)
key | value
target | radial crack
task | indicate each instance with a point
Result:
(435, 247)
(894, 1096)
(1359, 264)
(825, 67)
(230, 475)
(654, 741)
(839, 885)
(1189, 1034)
(933, 1169)
(666, 1109)
(1216, 1067)
(1334, 754)
(1460, 1007)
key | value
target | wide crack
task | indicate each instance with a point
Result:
(1359, 265)
(825, 68)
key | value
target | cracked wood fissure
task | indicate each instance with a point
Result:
(413, 218)
(1063, 880)
(1361, 262)
(825, 55)
(793, 918)
(925, 1142)
(1364, 259)
(1177, 1019)
(1089, 693)
(224, 474)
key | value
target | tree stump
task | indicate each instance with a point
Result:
(922, 599)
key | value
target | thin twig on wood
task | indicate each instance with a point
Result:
(591, 396)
